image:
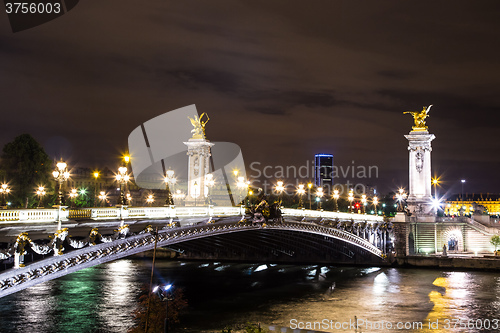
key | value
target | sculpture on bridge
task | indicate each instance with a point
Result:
(264, 212)
(199, 126)
(419, 118)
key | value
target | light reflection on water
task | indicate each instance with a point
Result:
(102, 298)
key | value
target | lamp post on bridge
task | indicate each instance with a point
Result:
(102, 197)
(4, 190)
(319, 196)
(40, 192)
(61, 175)
(301, 191)
(363, 202)
(96, 175)
(279, 188)
(169, 180)
(350, 198)
(375, 203)
(122, 178)
(336, 198)
(309, 186)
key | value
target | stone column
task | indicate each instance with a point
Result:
(198, 167)
(420, 191)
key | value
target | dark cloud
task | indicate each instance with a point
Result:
(283, 79)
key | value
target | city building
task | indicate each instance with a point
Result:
(456, 206)
(323, 170)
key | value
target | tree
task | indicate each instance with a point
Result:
(157, 311)
(26, 165)
(495, 241)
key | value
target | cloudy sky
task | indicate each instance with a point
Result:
(282, 79)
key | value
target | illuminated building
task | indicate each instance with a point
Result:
(491, 202)
(323, 170)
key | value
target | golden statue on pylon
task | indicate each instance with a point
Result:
(419, 118)
(199, 126)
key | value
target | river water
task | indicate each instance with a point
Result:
(101, 298)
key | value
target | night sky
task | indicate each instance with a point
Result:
(282, 79)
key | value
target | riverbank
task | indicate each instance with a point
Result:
(457, 261)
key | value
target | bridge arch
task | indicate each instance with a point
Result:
(307, 237)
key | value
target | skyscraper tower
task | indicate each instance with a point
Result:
(323, 170)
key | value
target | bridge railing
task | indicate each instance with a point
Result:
(33, 215)
(113, 213)
(330, 215)
(125, 212)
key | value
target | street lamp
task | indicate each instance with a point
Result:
(319, 196)
(363, 201)
(150, 199)
(279, 188)
(435, 183)
(400, 196)
(5, 190)
(209, 182)
(336, 198)
(301, 191)
(309, 186)
(164, 295)
(169, 180)
(463, 182)
(178, 195)
(241, 185)
(40, 192)
(102, 197)
(375, 203)
(350, 198)
(73, 194)
(122, 178)
(61, 175)
(96, 175)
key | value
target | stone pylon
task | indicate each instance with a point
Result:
(420, 192)
(198, 167)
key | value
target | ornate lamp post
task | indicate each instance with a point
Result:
(375, 203)
(209, 182)
(73, 194)
(463, 182)
(4, 190)
(122, 178)
(96, 175)
(102, 197)
(242, 185)
(309, 186)
(178, 196)
(400, 196)
(61, 175)
(150, 199)
(435, 183)
(279, 188)
(363, 202)
(350, 198)
(336, 198)
(40, 192)
(169, 180)
(301, 191)
(319, 196)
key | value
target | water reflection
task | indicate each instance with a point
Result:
(101, 298)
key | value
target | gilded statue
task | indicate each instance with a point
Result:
(199, 126)
(419, 118)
